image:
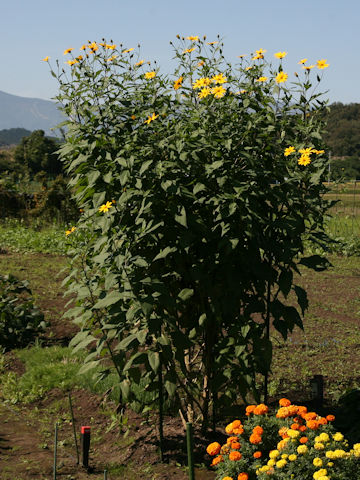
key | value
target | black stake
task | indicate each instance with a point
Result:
(161, 419)
(74, 430)
(55, 450)
(190, 449)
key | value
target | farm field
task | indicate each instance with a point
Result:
(33, 399)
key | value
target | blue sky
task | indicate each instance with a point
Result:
(316, 29)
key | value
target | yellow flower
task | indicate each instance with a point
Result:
(201, 82)
(105, 207)
(338, 437)
(281, 463)
(149, 75)
(280, 54)
(110, 47)
(320, 473)
(46, 59)
(309, 151)
(322, 64)
(274, 453)
(292, 457)
(204, 92)
(178, 83)
(293, 433)
(318, 152)
(288, 151)
(242, 56)
(301, 449)
(317, 462)
(323, 437)
(220, 78)
(189, 50)
(68, 50)
(281, 77)
(93, 47)
(110, 59)
(139, 63)
(261, 79)
(201, 63)
(248, 68)
(218, 92)
(308, 68)
(71, 62)
(151, 118)
(68, 232)
(259, 54)
(193, 39)
(302, 61)
(212, 43)
(128, 50)
(304, 160)
(83, 47)
(319, 446)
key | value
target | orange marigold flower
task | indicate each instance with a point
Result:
(301, 410)
(236, 445)
(236, 423)
(322, 421)
(310, 416)
(227, 478)
(295, 426)
(302, 428)
(213, 449)
(258, 430)
(243, 476)
(229, 429)
(303, 440)
(255, 439)
(239, 430)
(257, 454)
(283, 432)
(330, 418)
(312, 424)
(284, 402)
(225, 449)
(217, 460)
(250, 409)
(231, 440)
(233, 456)
(261, 409)
(282, 444)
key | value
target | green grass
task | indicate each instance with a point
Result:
(16, 236)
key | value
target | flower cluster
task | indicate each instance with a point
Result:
(305, 158)
(293, 443)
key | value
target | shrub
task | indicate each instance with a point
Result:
(293, 443)
(20, 320)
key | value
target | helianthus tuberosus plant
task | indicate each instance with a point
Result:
(293, 443)
(196, 190)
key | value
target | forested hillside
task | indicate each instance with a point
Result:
(343, 129)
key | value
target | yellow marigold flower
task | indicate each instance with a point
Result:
(110, 47)
(193, 39)
(322, 64)
(274, 453)
(46, 59)
(356, 446)
(149, 75)
(281, 463)
(93, 47)
(293, 433)
(338, 437)
(319, 446)
(302, 449)
(323, 437)
(151, 118)
(281, 77)
(304, 160)
(302, 61)
(201, 82)
(220, 78)
(320, 473)
(189, 50)
(261, 79)
(308, 68)
(68, 50)
(271, 462)
(128, 50)
(105, 207)
(218, 92)
(227, 478)
(138, 64)
(178, 83)
(317, 462)
(280, 54)
(212, 43)
(288, 151)
(204, 92)
(292, 457)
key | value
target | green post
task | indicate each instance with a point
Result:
(190, 449)
(55, 449)
(105, 474)
(161, 414)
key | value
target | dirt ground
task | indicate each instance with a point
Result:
(27, 431)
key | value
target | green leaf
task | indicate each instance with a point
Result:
(181, 217)
(185, 294)
(109, 299)
(164, 253)
(154, 360)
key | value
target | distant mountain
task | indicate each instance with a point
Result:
(13, 136)
(29, 113)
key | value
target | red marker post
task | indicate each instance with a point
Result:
(85, 445)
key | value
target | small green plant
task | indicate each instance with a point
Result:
(20, 320)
